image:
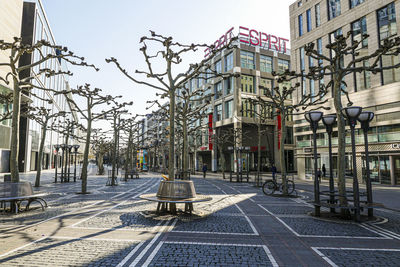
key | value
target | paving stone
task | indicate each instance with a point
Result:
(363, 258)
(209, 255)
(312, 226)
(75, 252)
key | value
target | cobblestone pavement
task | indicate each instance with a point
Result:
(241, 226)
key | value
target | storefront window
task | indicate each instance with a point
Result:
(384, 167)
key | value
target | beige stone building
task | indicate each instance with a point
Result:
(319, 21)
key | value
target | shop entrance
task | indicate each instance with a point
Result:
(396, 167)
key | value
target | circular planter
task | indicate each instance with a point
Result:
(176, 190)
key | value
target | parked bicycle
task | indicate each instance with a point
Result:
(270, 186)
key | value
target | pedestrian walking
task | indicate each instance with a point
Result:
(273, 170)
(204, 170)
(323, 170)
(319, 175)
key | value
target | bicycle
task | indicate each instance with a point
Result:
(270, 186)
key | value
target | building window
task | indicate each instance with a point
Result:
(283, 65)
(218, 66)
(312, 91)
(299, 4)
(387, 28)
(218, 90)
(247, 84)
(228, 109)
(302, 69)
(265, 63)
(247, 60)
(317, 15)
(300, 24)
(266, 111)
(267, 86)
(354, 3)
(334, 9)
(248, 108)
(362, 80)
(308, 13)
(228, 62)
(320, 62)
(229, 85)
(218, 112)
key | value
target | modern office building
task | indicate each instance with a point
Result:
(28, 20)
(10, 25)
(231, 112)
(319, 21)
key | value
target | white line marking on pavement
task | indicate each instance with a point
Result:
(381, 230)
(130, 254)
(270, 257)
(217, 233)
(331, 263)
(241, 211)
(267, 251)
(153, 254)
(144, 251)
(21, 247)
(103, 211)
(325, 236)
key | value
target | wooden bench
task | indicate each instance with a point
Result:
(16, 193)
(132, 173)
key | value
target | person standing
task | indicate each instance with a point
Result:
(323, 170)
(273, 170)
(204, 170)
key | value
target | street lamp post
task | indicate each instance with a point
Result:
(76, 152)
(69, 161)
(365, 118)
(62, 162)
(328, 121)
(313, 117)
(352, 113)
(57, 147)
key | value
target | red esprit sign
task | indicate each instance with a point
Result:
(262, 39)
(210, 131)
(251, 37)
(223, 40)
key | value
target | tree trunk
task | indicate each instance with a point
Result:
(100, 163)
(222, 157)
(341, 144)
(185, 150)
(282, 152)
(15, 133)
(41, 148)
(86, 153)
(171, 154)
(114, 152)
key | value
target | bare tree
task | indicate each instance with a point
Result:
(278, 97)
(172, 54)
(21, 78)
(347, 49)
(44, 117)
(93, 99)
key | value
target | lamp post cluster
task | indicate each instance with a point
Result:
(65, 164)
(352, 114)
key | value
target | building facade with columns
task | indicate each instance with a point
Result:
(319, 21)
(233, 119)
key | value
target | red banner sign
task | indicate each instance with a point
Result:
(279, 119)
(210, 131)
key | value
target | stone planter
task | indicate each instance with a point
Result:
(176, 190)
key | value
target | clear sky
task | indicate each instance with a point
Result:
(98, 29)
